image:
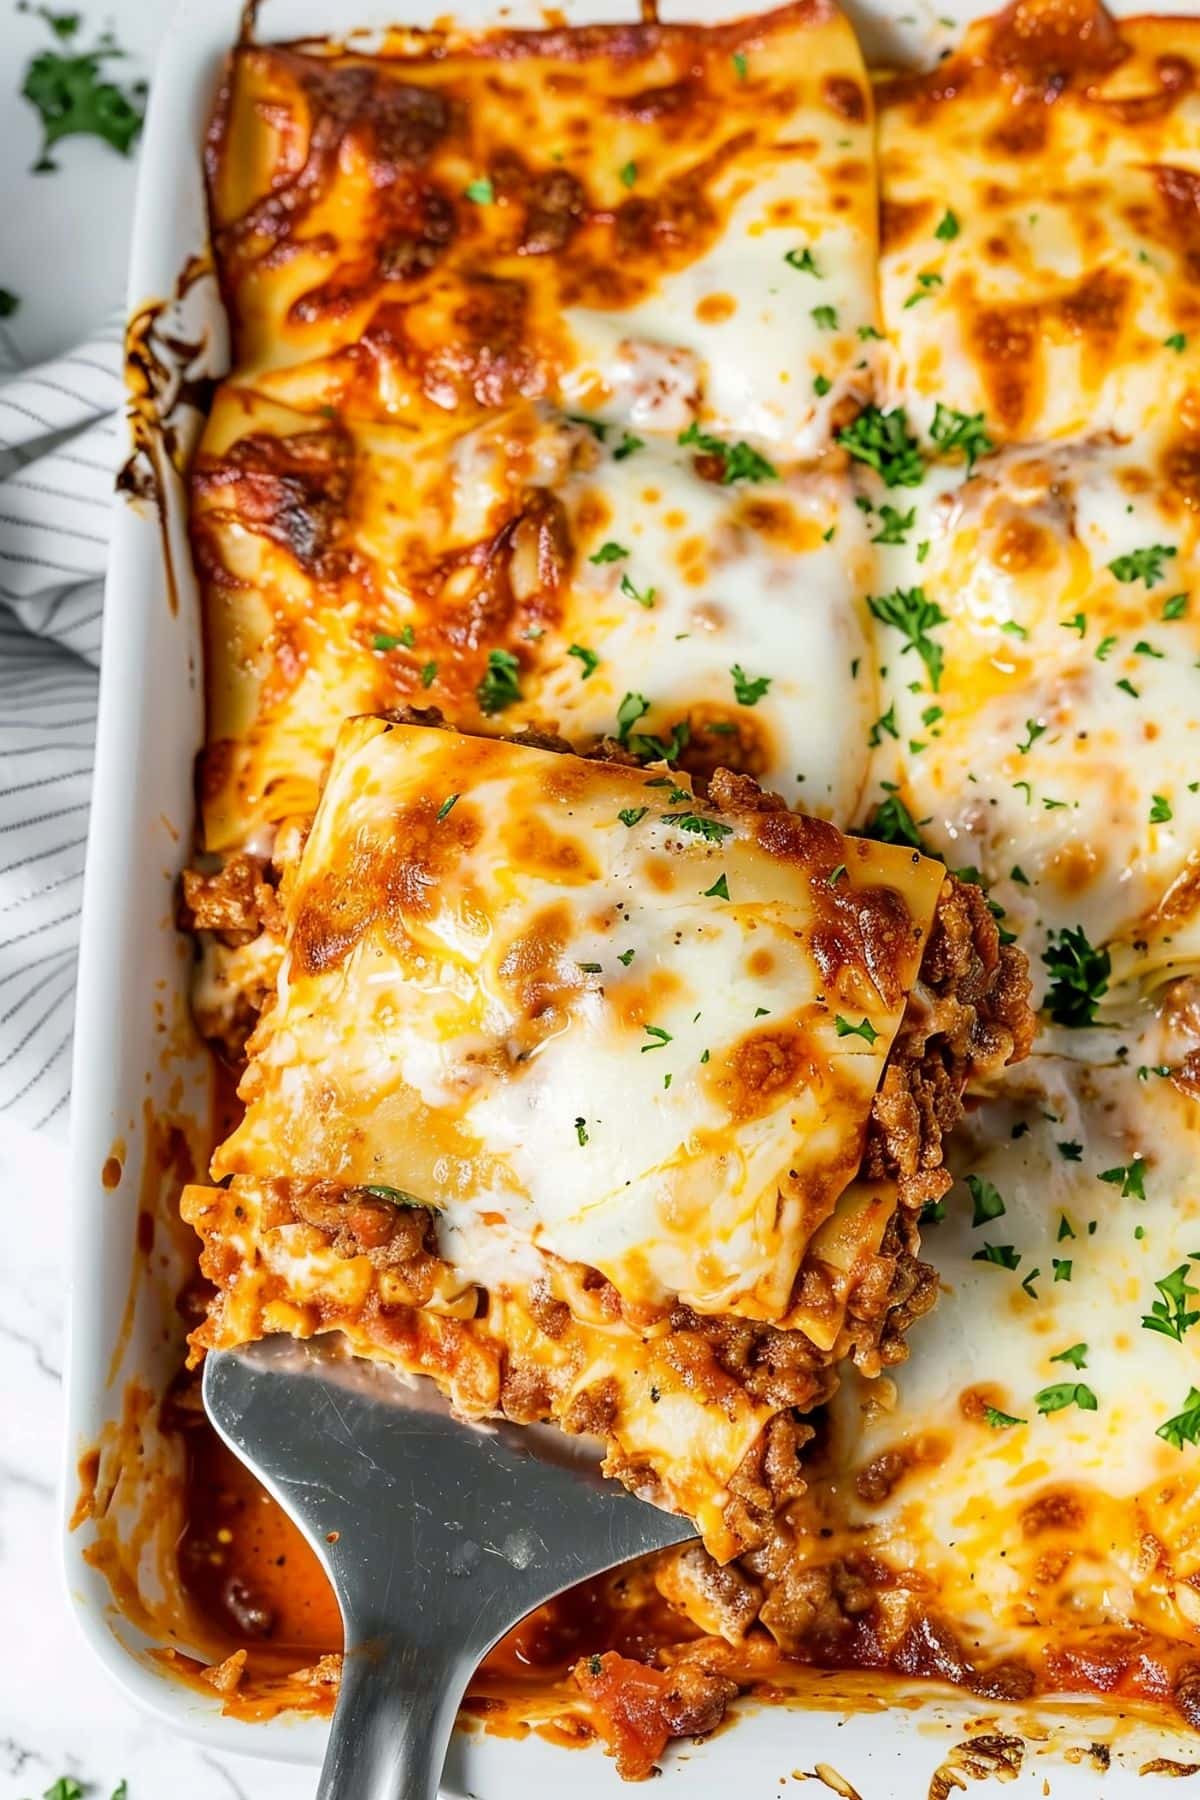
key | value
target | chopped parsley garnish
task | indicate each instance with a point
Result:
(1075, 1354)
(1028, 1281)
(447, 806)
(1184, 1428)
(589, 659)
(1176, 341)
(1070, 1151)
(1105, 648)
(1066, 1393)
(1175, 607)
(884, 443)
(597, 427)
(1078, 623)
(1129, 1177)
(947, 227)
(1078, 977)
(748, 689)
(428, 674)
(825, 317)
(719, 889)
(1065, 1230)
(867, 332)
(1034, 732)
(628, 174)
(741, 462)
(1170, 1315)
(803, 260)
(397, 1196)
(658, 1035)
(1142, 565)
(629, 815)
(1000, 1421)
(595, 1666)
(66, 1788)
(1062, 1268)
(892, 823)
(711, 830)
(627, 446)
(932, 1213)
(864, 1029)
(884, 724)
(1005, 1256)
(386, 640)
(821, 386)
(1127, 687)
(632, 708)
(835, 875)
(581, 1131)
(609, 553)
(480, 191)
(67, 89)
(926, 282)
(1142, 648)
(895, 524)
(960, 431)
(986, 1200)
(627, 957)
(738, 59)
(643, 596)
(501, 684)
(1160, 810)
(911, 612)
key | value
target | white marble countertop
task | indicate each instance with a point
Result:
(63, 245)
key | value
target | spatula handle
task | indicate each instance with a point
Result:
(394, 1716)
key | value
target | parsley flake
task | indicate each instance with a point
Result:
(446, 807)
(1075, 1354)
(1170, 1315)
(1184, 1428)
(960, 431)
(864, 1029)
(1005, 1256)
(741, 462)
(1142, 565)
(1001, 1421)
(581, 1131)
(643, 596)
(911, 612)
(659, 1036)
(947, 227)
(884, 443)
(1160, 810)
(748, 689)
(1078, 977)
(804, 261)
(628, 174)
(609, 553)
(986, 1201)
(1066, 1393)
(1129, 1177)
(825, 317)
(711, 830)
(501, 685)
(481, 191)
(589, 659)
(719, 889)
(895, 525)
(630, 815)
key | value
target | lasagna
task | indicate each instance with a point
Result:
(700, 568)
(601, 1101)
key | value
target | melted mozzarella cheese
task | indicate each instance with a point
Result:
(1038, 233)
(607, 223)
(559, 1007)
(1059, 752)
(1075, 1516)
(383, 572)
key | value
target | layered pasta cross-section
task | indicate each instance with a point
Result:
(698, 554)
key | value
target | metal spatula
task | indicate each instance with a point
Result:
(436, 1535)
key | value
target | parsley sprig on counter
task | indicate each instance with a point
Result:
(72, 96)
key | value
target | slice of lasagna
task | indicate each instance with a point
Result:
(651, 224)
(602, 1103)
(524, 573)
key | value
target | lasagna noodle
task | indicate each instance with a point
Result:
(1041, 226)
(597, 216)
(352, 567)
(607, 1037)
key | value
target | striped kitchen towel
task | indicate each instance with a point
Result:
(60, 443)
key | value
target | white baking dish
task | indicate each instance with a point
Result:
(134, 1062)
